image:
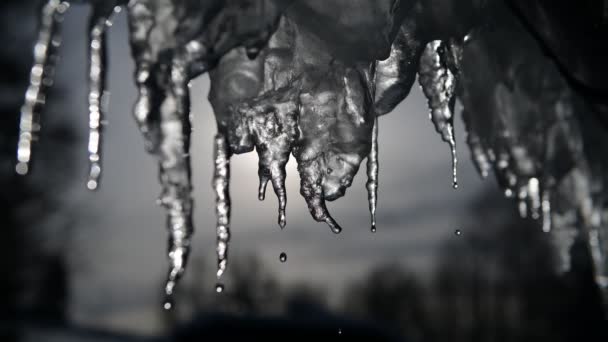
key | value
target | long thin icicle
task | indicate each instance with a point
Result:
(41, 77)
(438, 84)
(98, 23)
(221, 185)
(372, 176)
(175, 172)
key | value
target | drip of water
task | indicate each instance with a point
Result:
(41, 78)
(283, 257)
(168, 305)
(372, 176)
(98, 96)
(438, 84)
(221, 182)
(219, 288)
(458, 232)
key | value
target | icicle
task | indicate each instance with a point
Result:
(480, 159)
(278, 184)
(98, 23)
(175, 171)
(311, 188)
(372, 176)
(221, 182)
(41, 77)
(438, 84)
(274, 133)
(141, 18)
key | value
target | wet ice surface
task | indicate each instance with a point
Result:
(298, 95)
(130, 235)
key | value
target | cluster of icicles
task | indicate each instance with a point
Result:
(274, 89)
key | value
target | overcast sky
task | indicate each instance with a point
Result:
(120, 243)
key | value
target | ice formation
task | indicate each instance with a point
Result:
(311, 78)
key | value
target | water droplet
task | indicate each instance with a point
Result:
(457, 232)
(283, 257)
(373, 229)
(339, 331)
(219, 288)
(168, 306)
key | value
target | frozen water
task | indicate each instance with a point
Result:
(294, 78)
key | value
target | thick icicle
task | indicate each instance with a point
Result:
(372, 177)
(221, 183)
(175, 171)
(274, 132)
(142, 23)
(438, 84)
(41, 77)
(98, 23)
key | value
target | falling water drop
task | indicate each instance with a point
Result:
(457, 232)
(219, 288)
(168, 305)
(41, 76)
(339, 331)
(283, 257)
(372, 176)
(221, 182)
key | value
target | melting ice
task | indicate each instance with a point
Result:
(283, 88)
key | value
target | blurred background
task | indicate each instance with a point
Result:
(445, 265)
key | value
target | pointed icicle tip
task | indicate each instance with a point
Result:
(282, 219)
(335, 227)
(278, 184)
